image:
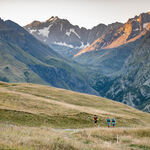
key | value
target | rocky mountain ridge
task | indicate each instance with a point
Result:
(62, 36)
(124, 63)
(132, 30)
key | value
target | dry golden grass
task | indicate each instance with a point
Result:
(16, 137)
(41, 117)
(118, 138)
(98, 104)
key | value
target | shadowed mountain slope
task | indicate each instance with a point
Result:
(25, 59)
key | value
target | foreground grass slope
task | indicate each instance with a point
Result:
(41, 117)
(36, 138)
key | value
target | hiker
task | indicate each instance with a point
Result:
(108, 122)
(113, 122)
(95, 120)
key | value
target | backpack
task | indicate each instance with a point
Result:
(113, 120)
(108, 120)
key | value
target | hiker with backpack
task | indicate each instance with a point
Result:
(95, 120)
(113, 122)
(108, 122)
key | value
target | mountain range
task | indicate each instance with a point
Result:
(115, 37)
(65, 38)
(110, 51)
(124, 61)
(23, 58)
(110, 44)
(108, 60)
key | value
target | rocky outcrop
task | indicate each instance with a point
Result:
(133, 86)
(109, 35)
(117, 35)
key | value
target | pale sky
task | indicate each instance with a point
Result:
(85, 13)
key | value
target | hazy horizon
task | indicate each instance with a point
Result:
(85, 13)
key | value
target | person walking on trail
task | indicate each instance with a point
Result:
(108, 122)
(95, 120)
(113, 122)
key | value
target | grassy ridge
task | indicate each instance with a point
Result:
(36, 105)
(40, 117)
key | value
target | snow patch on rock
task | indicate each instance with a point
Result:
(63, 44)
(32, 30)
(61, 27)
(68, 33)
(82, 46)
(71, 46)
(145, 25)
(137, 29)
(45, 31)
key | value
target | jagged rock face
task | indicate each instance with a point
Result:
(105, 39)
(109, 52)
(133, 86)
(61, 35)
(96, 32)
(2, 25)
(117, 34)
(127, 52)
